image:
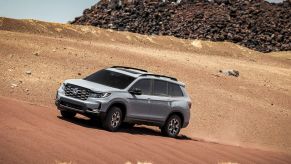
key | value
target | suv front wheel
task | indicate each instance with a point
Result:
(113, 119)
(172, 126)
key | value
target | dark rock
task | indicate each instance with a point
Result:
(255, 24)
(28, 72)
(36, 54)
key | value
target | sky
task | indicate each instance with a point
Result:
(48, 10)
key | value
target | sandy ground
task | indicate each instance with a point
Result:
(34, 134)
(252, 110)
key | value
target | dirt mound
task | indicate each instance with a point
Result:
(255, 24)
(251, 110)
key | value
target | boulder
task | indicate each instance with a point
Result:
(230, 72)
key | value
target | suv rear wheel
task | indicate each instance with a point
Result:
(172, 126)
(68, 114)
(113, 119)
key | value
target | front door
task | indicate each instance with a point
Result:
(139, 105)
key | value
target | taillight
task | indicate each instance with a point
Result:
(189, 105)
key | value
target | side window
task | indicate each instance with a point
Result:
(160, 88)
(144, 85)
(175, 90)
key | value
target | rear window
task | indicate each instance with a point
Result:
(111, 79)
(175, 90)
(160, 88)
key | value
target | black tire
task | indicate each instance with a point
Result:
(172, 126)
(113, 119)
(68, 114)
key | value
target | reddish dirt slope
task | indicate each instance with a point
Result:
(34, 134)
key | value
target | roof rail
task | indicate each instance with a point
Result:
(129, 68)
(149, 74)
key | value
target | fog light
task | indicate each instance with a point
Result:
(95, 110)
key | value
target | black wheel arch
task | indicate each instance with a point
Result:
(178, 113)
(122, 107)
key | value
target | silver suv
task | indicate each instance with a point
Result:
(124, 95)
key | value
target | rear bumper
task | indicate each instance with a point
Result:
(185, 124)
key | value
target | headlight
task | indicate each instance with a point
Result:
(63, 86)
(99, 95)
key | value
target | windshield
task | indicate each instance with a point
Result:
(111, 79)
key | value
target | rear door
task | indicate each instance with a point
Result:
(160, 101)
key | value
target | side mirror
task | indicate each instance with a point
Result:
(135, 91)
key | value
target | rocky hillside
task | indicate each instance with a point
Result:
(255, 24)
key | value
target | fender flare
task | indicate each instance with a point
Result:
(115, 102)
(179, 113)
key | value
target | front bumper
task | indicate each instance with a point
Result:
(88, 107)
(67, 104)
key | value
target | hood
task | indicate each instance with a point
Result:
(91, 85)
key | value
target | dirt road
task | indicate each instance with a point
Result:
(34, 134)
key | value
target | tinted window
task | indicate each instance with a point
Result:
(160, 88)
(175, 90)
(111, 79)
(144, 85)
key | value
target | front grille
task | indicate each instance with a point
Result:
(77, 92)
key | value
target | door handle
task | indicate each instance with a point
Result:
(149, 100)
(169, 102)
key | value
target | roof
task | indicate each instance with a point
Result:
(140, 73)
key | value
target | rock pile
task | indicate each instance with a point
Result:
(255, 24)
